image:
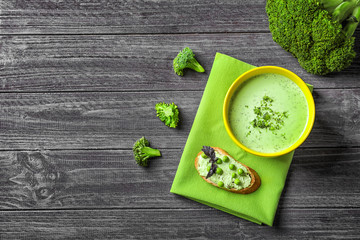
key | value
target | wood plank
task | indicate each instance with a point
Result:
(178, 224)
(318, 178)
(139, 62)
(141, 16)
(113, 120)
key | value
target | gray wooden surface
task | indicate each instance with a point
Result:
(78, 85)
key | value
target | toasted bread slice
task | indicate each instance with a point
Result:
(255, 179)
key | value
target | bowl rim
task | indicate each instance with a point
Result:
(292, 76)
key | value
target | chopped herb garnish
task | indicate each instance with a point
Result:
(210, 152)
(267, 118)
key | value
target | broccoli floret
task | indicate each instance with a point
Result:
(186, 59)
(319, 33)
(168, 113)
(142, 152)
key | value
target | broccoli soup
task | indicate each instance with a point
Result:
(268, 113)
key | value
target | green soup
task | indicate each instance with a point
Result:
(268, 113)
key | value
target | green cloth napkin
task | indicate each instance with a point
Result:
(208, 130)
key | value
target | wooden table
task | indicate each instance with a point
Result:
(79, 81)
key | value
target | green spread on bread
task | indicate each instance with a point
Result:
(219, 169)
(228, 172)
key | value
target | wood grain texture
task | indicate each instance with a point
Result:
(128, 16)
(113, 120)
(78, 84)
(318, 178)
(178, 224)
(139, 62)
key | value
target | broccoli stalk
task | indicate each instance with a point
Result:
(186, 59)
(142, 152)
(353, 22)
(344, 10)
(341, 10)
(330, 5)
(168, 113)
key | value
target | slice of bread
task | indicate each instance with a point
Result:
(255, 179)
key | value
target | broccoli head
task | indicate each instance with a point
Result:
(168, 113)
(319, 33)
(142, 152)
(186, 59)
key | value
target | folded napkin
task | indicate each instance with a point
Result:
(208, 130)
